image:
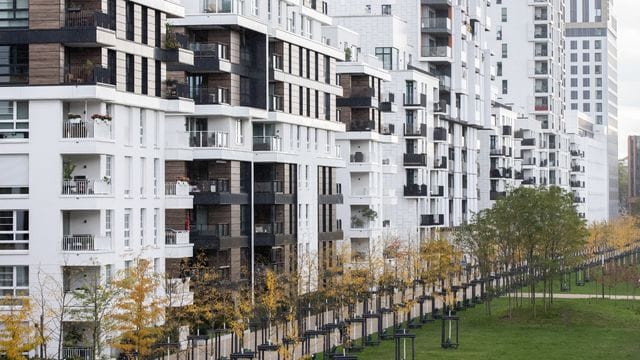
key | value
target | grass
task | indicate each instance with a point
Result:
(572, 329)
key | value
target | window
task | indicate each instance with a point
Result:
(14, 177)
(598, 57)
(585, 69)
(385, 54)
(599, 94)
(599, 119)
(504, 51)
(386, 9)
(127, 228)
(128, 264)
(574, 45)
(327, 69)
(144, 82)
(300, 62)
(574, 95)
(14, 119)
(327, 106)
(586, 107)
(599, 82)
(141, 127)
(505, 87)
(585, 44)
(574, 57)
(499, 32)
(14, 280)
(158, 80)
(586, 95)
(144, 29)
(127, 177)
(14, 13)
(108, 223)
(14, 230)
(143, 178)
(108, 273)
(300, 100)
(574, 106)
(598, 69)
(143, 214)
(586, 82)
(155, 226)
(574, 82)
(158, 30)
(156, 166)
(504, 14)
(239, 132)
(598, 107)
(499, 68)
(597, 44)
(129, 71)
(14, 64)
(129, 18)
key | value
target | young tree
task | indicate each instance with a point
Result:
(138, 309)
(17, 336)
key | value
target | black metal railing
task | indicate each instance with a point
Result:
(87, 19)
(87, 74)
(415, 190)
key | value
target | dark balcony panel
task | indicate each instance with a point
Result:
(439, 134)
(415, 190)
(209, 198)
(389, 129)
(411, 100)
(506, 130)
(529, 181)
(83, 19)
(495, 195)
(431, 220)
(357, 102)
(415, 159)
(330, 199)
(387, 106)
(437, 191)
(87, 75)
(362, 125)
(331, 235)
(528, 142)
(410, 130)
(440, 163)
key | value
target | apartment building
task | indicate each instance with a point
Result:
(588, 149)
(263, 174)
(82, 151)
(500, 169)
(529, 44)
(591, 68)
(633, 165)
(438, 59)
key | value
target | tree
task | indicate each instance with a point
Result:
(17, 336)
(96, 306)
(139, 309)
(442, 263)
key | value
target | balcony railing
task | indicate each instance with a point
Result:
(216, 50)
(276, 62)
(431, 220)
(85, 243)
(208, 139)
(362, 125)
(210, 95)
(77, 353)
(415, 190)
(86, 187)
(212, 186)
(436, 23)
(87, 74)
(415, 159)
(177, 188)
(267, 143)
(220, 6)
(269, 187)
(415, 129)
(439, 134)
(276, 103)
(87, 19)
(437, 191)
(86, 129)
(436, 51)
(176, 237)
(218, 230)
(272, 228)
(528, 142)
(440, 163)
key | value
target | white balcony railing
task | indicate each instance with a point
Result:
(208, 139)
(86, 187)
(85, 243)
(267, 143)
(87, 129)
(77, 353)
(177, 188)
(176, 237)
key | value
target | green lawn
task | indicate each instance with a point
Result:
(573, 329)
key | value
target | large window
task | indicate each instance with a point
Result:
(14, 64)
(14, 119)
(14, 230)
(388, 56)
(129, 17)
(129, 72)
(14, 280)
(14, 13)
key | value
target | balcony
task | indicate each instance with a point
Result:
(276, 103)
(361, 97)
(389, 104)
(209, 58)
(87, 129)
(276, 62)
(177, 244)
(220, 7)
(414, 99)
(440, 163)
(272, 192)
(431, 220)
(218, 191)
(88, 74)
(437, 3)
(80, 19)
(415, 159)
(85, 243)
(444, 82)
(412, 190)
(507, 130)
(77, 352)
(208, 139)
(436, 53)
(210, 236)
(362, 125)
(439, 134)
(178, 292)
(436, 25)
(576, 184)
(177, 195)
(388, 129)
(495, 195)
(267, 143)
(529, 181)
(528, 142)
(415, 130)
(209, 95)
(86, 187)
(269, 234)
(437, 191)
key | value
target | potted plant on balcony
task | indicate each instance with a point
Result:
(369, 214)
(105, 119)
(356, 222)
(67, 170)
(170, 41)
(74, 118)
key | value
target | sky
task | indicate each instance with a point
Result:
(628, 71)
